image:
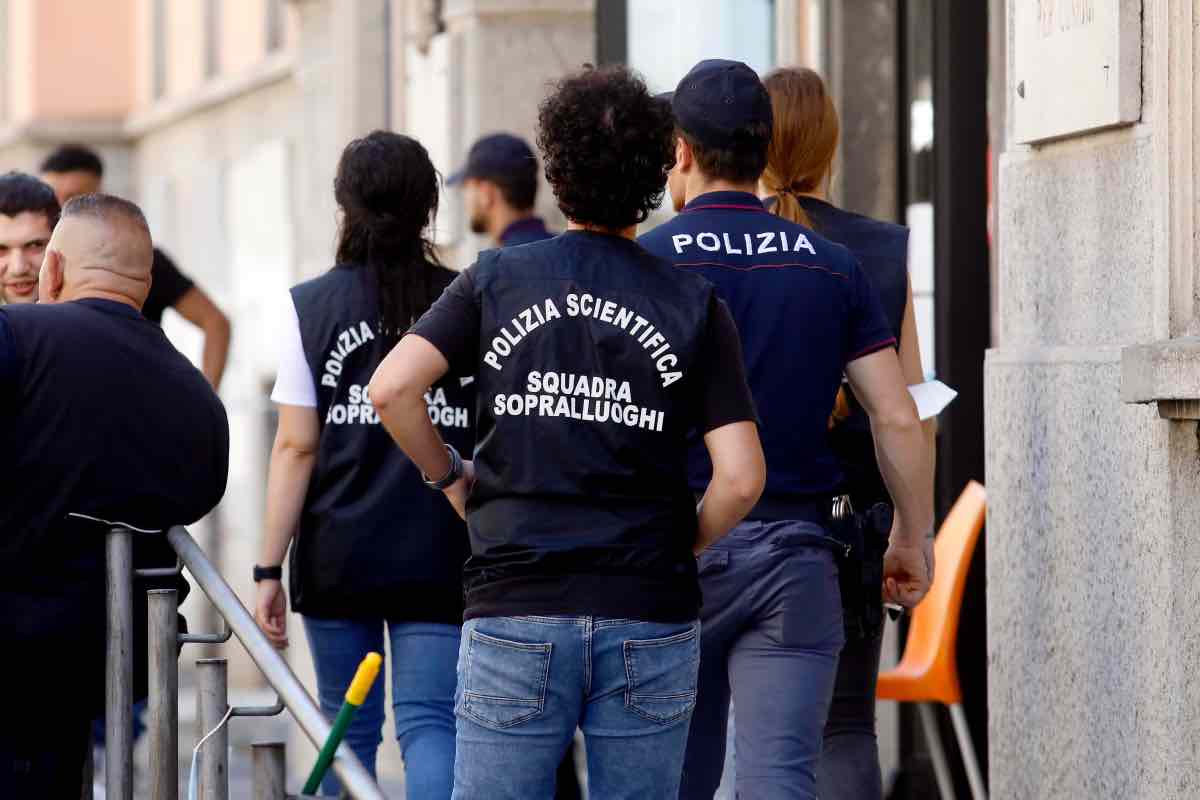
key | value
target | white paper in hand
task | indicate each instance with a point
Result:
(931, 397)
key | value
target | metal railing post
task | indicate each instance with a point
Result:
(353, 775)
(118, 713)
(213, 701)
(163, 713)
(270, 770)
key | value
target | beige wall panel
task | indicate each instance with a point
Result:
(243, 34)
(185, 46)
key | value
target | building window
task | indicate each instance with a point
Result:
(212, 38)
(664, 40)
(158, 44)
(274, 25)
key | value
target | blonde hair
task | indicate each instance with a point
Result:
(804, 140)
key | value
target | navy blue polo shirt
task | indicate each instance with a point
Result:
(524, 231)
(804, 310)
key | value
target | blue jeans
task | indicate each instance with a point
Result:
(422, 659)
(525, 683)
(772, 620)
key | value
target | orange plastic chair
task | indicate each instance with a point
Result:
(928, 671)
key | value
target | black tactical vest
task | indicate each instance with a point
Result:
(581, 503)
(882, 251)
(374, 541)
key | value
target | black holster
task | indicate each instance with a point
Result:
(864, 536)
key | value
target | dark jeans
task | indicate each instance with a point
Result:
(849, 768)
(770, 636)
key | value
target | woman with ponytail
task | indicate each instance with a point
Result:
(374, 551)
(796, 183)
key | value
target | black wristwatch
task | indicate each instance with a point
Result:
(267, 573)
(452, 475)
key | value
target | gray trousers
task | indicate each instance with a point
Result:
(770, 637)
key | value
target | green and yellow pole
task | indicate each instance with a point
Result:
(364, 678)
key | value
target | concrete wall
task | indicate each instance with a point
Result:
(1093, 512)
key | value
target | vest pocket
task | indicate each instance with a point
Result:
(505, 681)
(661, 674)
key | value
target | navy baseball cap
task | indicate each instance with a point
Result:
(495, 156)
(717, 100)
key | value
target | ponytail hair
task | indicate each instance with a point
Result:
(387, 190)
(804, 140)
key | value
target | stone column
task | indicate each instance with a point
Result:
(1093, 459)
(501, 56)
(342, 82)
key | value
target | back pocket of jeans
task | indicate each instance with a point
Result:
(660, 675)
(505, 681)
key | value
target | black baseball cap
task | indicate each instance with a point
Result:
(495, 156)
(717, 100)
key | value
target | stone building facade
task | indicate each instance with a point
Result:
(1092, 445)
(224, 120)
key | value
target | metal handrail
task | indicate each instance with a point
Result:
(290, 692)
(279, 675)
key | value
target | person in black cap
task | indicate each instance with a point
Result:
(501, 181)
(593, 360)
(772, 615)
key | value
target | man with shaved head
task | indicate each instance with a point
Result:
(104, 422)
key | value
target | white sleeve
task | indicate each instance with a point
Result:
(294, 383)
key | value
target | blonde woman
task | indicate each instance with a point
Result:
(796, 182)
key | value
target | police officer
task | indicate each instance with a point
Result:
(375, 554)
(772, 614)
(501, 181)
(799, 165)
(594, 361)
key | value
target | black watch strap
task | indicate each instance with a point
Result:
(452, 475)
(267, 573)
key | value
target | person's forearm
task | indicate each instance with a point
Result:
(406, 417)
(723, 506)
(287, 485)
(905, 456)
(216, 350)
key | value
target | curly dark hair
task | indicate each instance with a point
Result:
(387, 189)
(607, 146)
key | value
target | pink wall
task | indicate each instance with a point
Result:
(77, 61)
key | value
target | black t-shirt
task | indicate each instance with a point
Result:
(167, 286)
(122, 429)
(594, 361)
(453, 324)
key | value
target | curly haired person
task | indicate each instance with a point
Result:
(593, 362)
